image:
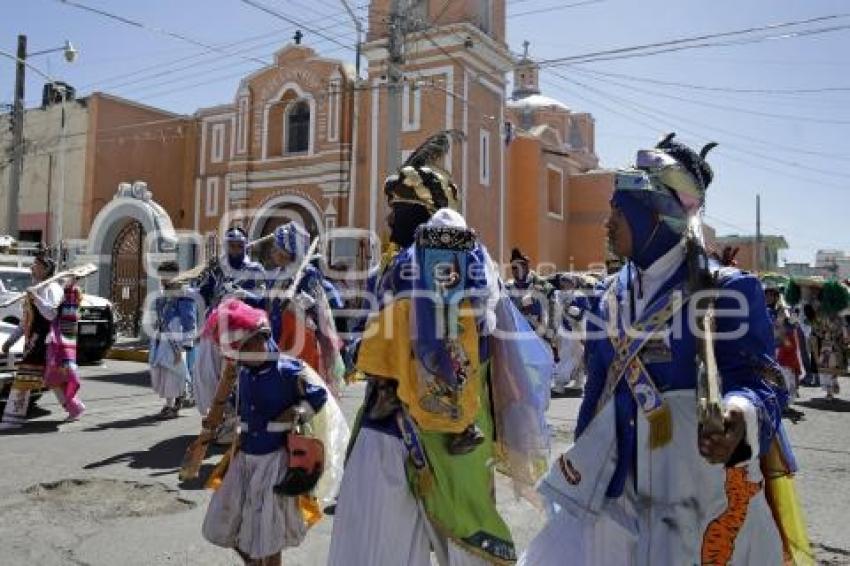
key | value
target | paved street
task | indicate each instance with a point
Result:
(133, 511)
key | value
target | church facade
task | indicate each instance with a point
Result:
(304, 139)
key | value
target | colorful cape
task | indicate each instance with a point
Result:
(456, 491)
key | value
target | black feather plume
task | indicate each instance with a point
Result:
(434, 149)
(706, 148)
(665, 140)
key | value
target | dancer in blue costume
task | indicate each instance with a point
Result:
(643, 484)
(234, 274)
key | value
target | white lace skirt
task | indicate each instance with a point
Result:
(245, 513)
(169, 372)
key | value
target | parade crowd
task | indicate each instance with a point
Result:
(460, 367)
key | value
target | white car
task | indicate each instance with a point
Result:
(7, 363)
(95, 330)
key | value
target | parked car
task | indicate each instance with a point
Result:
(95, 329)
(7, 364)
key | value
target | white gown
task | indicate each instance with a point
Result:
(661, 521)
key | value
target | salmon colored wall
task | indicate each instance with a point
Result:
(524, 198)
(587, 237)
(153, 150)
(483, 203)
(554, 247)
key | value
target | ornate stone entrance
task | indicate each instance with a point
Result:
(126, 234)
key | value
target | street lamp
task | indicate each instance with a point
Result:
(68, 50)
(17, 168)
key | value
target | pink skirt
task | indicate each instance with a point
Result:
(61, 369)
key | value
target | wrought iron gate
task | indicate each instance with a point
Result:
(129, 281)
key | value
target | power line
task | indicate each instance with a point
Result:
(654, 128)
(796, 150)
(161, 72)
(666, 117)
(791, 117)
(201, 83)
(159, 66)
(789, 35)
(621, 51)
(140, 25)
(276, 14)
(715, 88)
(637, 106)
(192, 66)
(553, 8)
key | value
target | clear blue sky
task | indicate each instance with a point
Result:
(797, 159)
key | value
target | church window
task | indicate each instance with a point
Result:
(484, 158)
(555, 191)
(298, 127)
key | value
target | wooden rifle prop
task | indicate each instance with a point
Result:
(78, 272)
(200, 270)
(197, 451)
(289, 293)
(703, 285)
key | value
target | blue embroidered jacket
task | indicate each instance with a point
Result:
(747, 365)
(180, 307)
(246, 274)
(267, 391)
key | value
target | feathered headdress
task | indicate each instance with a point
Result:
(422, 179)
(671, 179)
(293, 239)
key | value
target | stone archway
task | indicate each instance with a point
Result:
(131, 227)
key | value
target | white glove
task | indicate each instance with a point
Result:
(303, 301)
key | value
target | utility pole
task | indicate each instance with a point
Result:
(17, 168)
(757, 255)
(395, 47)
(358, 26)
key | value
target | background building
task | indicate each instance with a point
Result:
(304, 139)
(557, 209)
(74, 174)
(767, 253)
(832, 263)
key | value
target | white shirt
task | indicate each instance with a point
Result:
(650, 280)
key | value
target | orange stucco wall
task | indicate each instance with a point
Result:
(129, 142)
(587, 236)
(524, 198)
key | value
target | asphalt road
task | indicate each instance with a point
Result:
(104, 491)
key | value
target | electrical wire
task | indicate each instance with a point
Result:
(789, 117)
(781, 91)
(665, 117)
(796, 150)
(195, 64)
(192, 75)
(272, 12)
(553, 8)
(140, 25)
(622, 51)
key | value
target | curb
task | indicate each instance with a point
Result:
(127, 355)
